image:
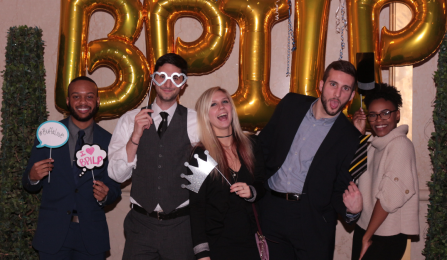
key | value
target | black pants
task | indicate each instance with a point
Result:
(382, 247)
(73, 248)
(281, 223)
(150, 239)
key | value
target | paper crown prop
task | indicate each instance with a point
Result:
(199, 173)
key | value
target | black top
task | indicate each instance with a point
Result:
(223, 220)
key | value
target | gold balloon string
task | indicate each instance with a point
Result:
(277, 10)
(340, 27)
(290, 38)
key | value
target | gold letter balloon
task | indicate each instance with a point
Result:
(132, 71)
(311, 20)
(254, 100)
(74, 53)
(412, 44)
(204, 55)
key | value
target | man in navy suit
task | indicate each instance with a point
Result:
(72, 223)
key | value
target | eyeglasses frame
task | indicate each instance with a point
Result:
(377, 115)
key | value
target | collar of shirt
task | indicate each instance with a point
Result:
(323, 121)
(74, 129)
(156, 115)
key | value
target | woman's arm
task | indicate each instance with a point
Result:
(378, 217)
(197, 203)
(259, 170)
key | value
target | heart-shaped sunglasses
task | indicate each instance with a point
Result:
(160, 78)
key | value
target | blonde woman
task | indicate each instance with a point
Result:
(222, 220)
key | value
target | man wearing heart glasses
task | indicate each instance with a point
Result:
(151, 145)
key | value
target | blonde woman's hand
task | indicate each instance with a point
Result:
(241, 189)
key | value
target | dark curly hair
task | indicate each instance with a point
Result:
(389, 93)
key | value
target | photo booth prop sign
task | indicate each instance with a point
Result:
(89, 157)
(52, 134)
(200, 173)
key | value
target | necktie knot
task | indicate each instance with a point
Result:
(164, 115)
(81, 134)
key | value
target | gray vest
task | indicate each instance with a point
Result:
(156, 178)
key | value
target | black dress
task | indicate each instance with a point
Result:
(222, 223)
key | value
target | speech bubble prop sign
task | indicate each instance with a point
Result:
(90, 156)
(52, 134)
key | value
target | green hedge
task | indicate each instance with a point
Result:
(436, 243)
(23, 109)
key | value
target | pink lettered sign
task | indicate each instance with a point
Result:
(90, 156)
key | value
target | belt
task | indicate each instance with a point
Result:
(287, 196)
(161, 215)
(75, 219)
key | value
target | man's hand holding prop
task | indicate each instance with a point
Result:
(51, 134)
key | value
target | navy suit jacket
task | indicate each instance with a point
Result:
(59, 197)
(328, 175)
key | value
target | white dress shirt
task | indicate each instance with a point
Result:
(119, 168)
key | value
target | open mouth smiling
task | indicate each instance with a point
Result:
(223, 116)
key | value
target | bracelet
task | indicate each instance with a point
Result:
(133, 142)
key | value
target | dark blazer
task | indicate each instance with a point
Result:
(59, 197)
(217, 214)
(327, 177)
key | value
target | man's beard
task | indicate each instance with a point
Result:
(167, 99)
(324, 102)
(74, 114)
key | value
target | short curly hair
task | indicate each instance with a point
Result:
(389, 93)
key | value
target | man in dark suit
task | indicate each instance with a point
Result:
(72, 223)
(308, 146)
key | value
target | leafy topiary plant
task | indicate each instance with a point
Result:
(436, 243)
(23, 109)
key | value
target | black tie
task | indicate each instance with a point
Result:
(163, 124)
(79, 144)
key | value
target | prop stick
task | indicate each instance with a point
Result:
(49, 172)
(361, 100)
(149, 94)
(223, 177)
(93, 176)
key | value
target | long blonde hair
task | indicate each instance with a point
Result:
(209, 140)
